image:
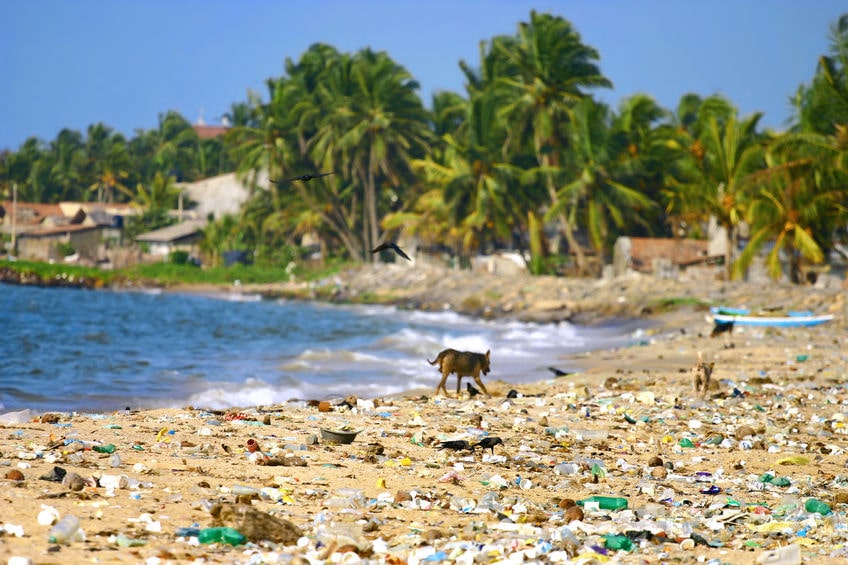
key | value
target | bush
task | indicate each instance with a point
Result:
(179, 257)
(65, 249)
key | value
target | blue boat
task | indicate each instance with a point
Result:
(743, 317)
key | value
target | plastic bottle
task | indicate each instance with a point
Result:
(814, 505)
(243, 490)
(64, 530)
(229, 536)
(605, 502)
(616, 542)
(108, 448)
(566, 469)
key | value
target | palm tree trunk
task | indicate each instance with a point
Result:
(566, 228)
(371, 195)
(728, 254)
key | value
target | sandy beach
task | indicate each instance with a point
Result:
(723, 479)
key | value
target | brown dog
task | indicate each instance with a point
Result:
(701, 375)
(463, 364)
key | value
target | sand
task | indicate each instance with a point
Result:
(776, 405)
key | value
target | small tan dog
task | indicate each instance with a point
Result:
(701, 376)
(463, 364)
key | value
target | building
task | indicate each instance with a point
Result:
(657, 255)
(46, 232)
(185, 236)
(215, 196)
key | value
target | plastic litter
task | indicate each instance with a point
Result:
(787, 555)
(65, 530)
(229, 536)
(604, 502)
(108, 448)
(814, 505)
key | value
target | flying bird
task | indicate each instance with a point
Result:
(304, 178)
(558, 372)
(456, 445)
(488, 443)
(393, 247)
(722, 327)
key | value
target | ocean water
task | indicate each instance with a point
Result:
(83, 350)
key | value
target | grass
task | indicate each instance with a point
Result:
(164, 274)
(674, 302)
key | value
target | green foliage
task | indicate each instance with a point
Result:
(60, 271)
(65, 249)
(674, 302)
(179, 257)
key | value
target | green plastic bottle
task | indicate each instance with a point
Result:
(108, 448)
(606, 502)
(229, 536)
(814, 505)
(616, 542)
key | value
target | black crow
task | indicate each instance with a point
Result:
(456, 445)
(471, 390)
(558, 372)
(393, 247)
(489, 443)
(304, 178)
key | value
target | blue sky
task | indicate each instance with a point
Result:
(72, 63)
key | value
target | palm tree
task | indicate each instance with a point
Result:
(68, 157)
(160, 194)
(782, 211)
(823, 105)
(718, 154)
(29, 169)
(800, 202)
(176, 145)
(643, 138)
(376, 126)
(597, 186)
(481, 200)
(546, 69)
(108, 162)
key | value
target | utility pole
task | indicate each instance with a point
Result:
(14, 218)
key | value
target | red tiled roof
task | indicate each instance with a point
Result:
(29, 214)
(209, 132)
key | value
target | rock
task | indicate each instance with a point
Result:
(567, 503)
(14, 475)
(659, 472)
(254, 524)
(573, 513)
(655, 461)
(74, 482)
(744, 431)
(432, 535)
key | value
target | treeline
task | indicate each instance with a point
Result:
(526, 158)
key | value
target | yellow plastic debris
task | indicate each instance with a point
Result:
(794, 460)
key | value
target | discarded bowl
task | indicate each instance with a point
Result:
(338, 436)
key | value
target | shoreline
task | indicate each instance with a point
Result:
(391, 496)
